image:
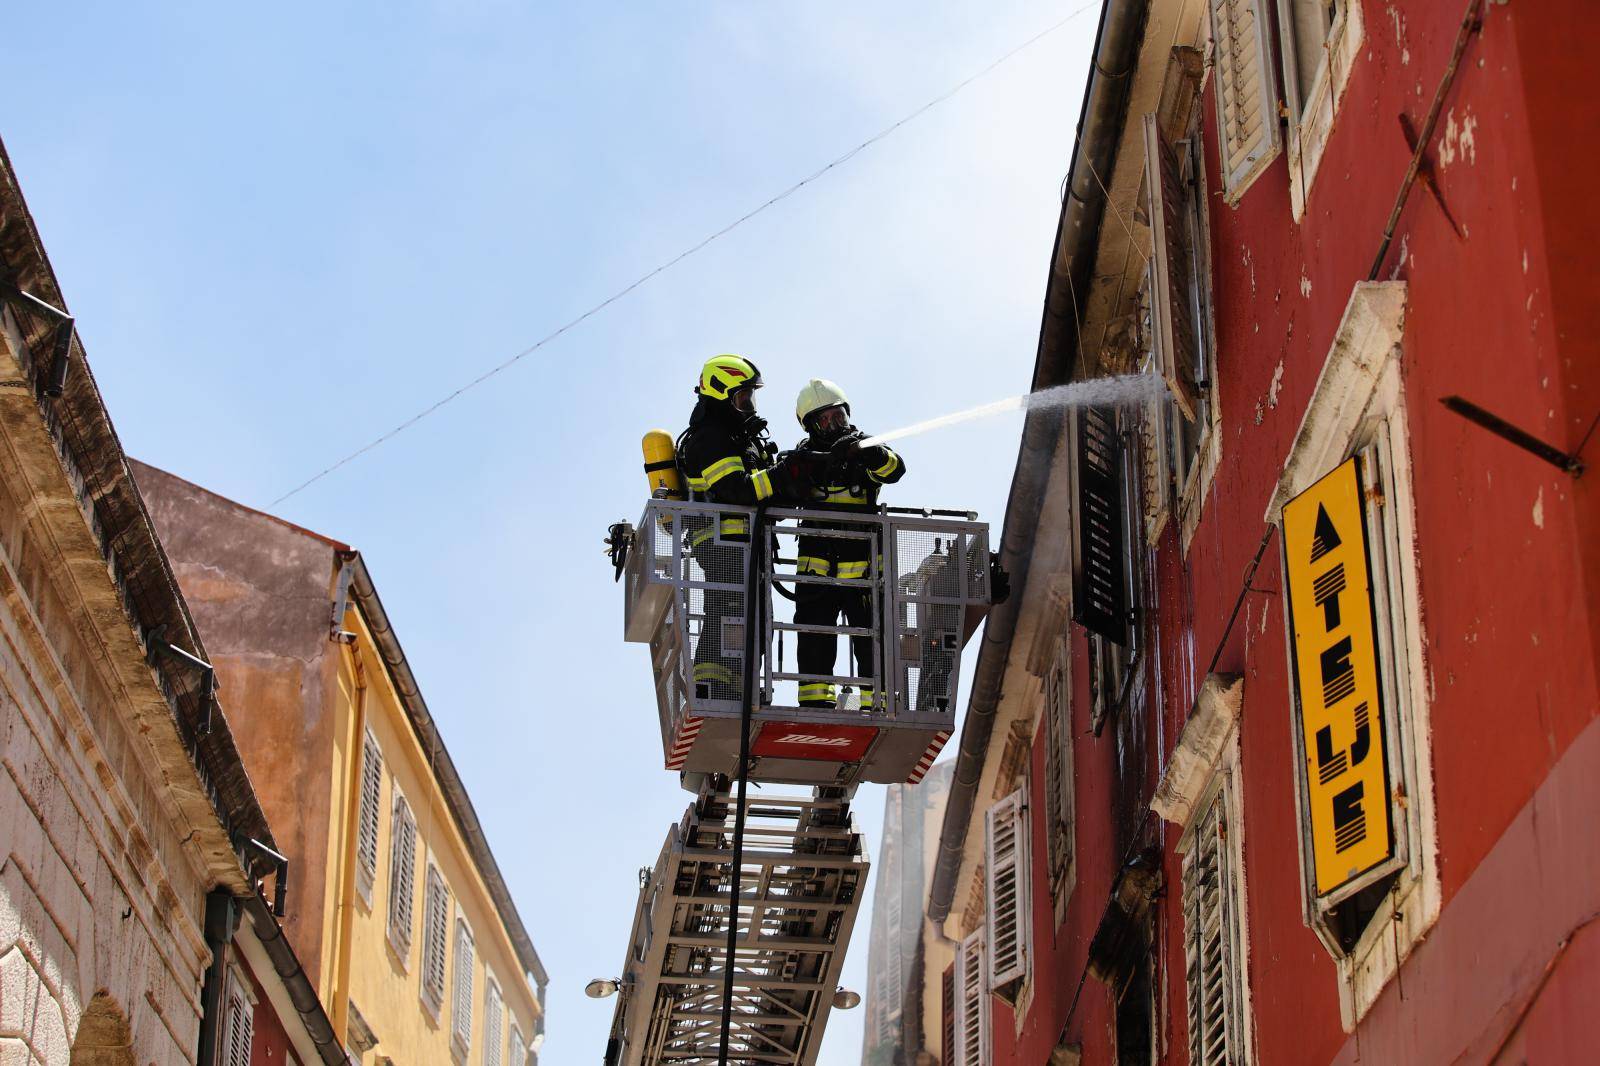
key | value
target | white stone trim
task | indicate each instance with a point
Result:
(1360, 376)
(1309, 133)
(1200, 748)
(1359, 401)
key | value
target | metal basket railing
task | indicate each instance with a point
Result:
(911, 578)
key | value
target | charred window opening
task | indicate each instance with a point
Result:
(1109, 566)
(1136, 1017)
(1351, 918)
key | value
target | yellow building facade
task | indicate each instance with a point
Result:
(419, 952)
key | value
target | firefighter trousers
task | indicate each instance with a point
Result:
(719, 646)
(824, 605)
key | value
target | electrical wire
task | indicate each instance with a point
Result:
(686, 253)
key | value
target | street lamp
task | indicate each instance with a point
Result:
(845, 999)
(602, 987)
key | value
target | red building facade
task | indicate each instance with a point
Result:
(1284, 749)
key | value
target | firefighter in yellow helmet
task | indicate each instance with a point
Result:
(851, 483)
(726, 457)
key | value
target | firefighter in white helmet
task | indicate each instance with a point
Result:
(853, 479)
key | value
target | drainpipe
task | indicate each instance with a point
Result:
(1105, 105)
(339, 997)
(222, 918)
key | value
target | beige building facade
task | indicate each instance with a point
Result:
(407, 927)
(126, 817)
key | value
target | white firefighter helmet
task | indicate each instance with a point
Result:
(818, 395)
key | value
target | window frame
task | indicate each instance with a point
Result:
(1237, 181)
(1310, 120)
(1359, 401)
(1224, 794)
(1178, 477)
(1006, 825)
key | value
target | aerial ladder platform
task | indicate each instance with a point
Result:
(802, 876)
(742, 924)
(690, 591)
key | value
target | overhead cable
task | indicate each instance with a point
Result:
(681, 256)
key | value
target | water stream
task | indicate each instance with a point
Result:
(1123, 389)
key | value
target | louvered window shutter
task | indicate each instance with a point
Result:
(367, 828)
(947, 1046)
(1058, 763)
(461, 1034)
(519, 1049)
(972, 1003)
(1158, 460)
(1211, 963)
(493, 1023)
(1052, 770)
(1007, 871)
(1172, 326)
(1247, 110)
(1099, 544)
(241, 1029)
(402, 874)
(436, 923)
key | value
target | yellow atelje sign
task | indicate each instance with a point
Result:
(1336, 679)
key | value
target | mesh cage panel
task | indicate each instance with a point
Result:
(890, 598)
(940, 567)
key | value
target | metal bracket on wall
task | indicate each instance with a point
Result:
(208, 674)
(61, 348)
(280, 865)
(1425, 172)
(1515, 434)
(341, 599)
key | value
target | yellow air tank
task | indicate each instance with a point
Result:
(661, 465)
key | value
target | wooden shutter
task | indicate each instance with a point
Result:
(1157, 461)
(402, 874)
(1058, 764)
(1173, 336)
(519, 1049)
(1247, 112)
(1099, 544)
(1006, 834)
(240, 1028)
(493, 1023)
(461, 1014)
(947, 1017)
(972, 1003)
(436, 924)
(367, 827)
(1211, 965)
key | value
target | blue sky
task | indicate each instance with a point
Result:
(284, 230)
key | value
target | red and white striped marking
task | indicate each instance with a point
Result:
(688, 730)
(928, 757)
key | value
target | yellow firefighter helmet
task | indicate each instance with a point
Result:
(819, 395)
(722, 374)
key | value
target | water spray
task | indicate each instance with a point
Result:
(1119, 390)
